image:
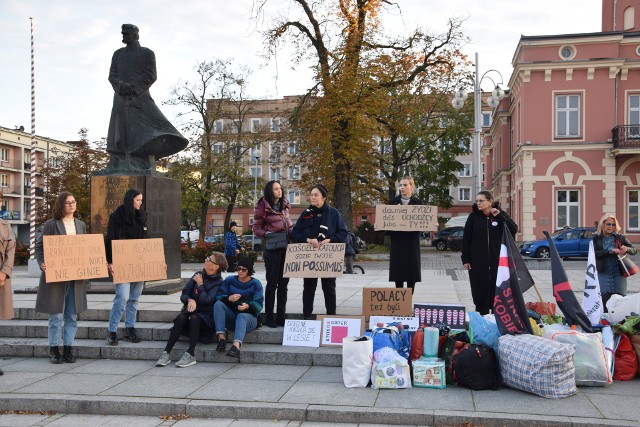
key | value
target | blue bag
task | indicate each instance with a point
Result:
(391, 335)
(483, 331)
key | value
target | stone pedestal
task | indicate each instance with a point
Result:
(161, 200)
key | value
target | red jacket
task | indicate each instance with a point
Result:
(265, 219)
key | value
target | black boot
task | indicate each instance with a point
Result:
(131, 335)
(271, 321)
(67, 354)
(54, 355)
(112, 338)
(280, 318)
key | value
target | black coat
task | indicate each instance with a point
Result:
(404, 256)
(312, 221)
(121, 227)
(602, 254)
(481, 248)
(204, 295)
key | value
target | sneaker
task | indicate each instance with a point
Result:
(131, 335)
(222, 346)
(234, 352)
(112, 338)
(186, 360)
(164, 360)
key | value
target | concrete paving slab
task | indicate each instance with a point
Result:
(88, 384)
(616, 406)
(487, 419)
(277, 372)
(81, 420)
(109, 366)
(329, 394)
(623, 388)
(206, 370)
(323, 374)
(156, 386)
(450, 398)
(133, 421)
(246, 410)
(243, 390)
(333, 414)
(14, 380)
(213, 422)
(37, 364)
(25, 420)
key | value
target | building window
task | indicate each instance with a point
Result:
(4, 154)
(292, 149)
(633, 210)
(464, 194)
(4, 180)
(255, 125)
(486, 119)
(218, 126)
(567, 116)
(275, 125)
(634, 115)
(465, 170)
(256, 171)
(628, 18)
(293, 173)
(567, 52)
(218, 148)
(293, 197)
(364, 218)
(275, 152)
(567, 208)
(274, 174)
(253, 152)
(236, 126)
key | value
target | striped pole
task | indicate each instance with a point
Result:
(32, 213)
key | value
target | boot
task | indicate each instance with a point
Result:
(281, 317)
(131, 335)
(67, 355)
(54, 355)
(271, 321)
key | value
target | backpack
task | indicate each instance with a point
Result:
(475, 366)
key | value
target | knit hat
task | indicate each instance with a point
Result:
(232, 224)
(246, 262)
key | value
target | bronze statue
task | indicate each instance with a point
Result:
(138, 131)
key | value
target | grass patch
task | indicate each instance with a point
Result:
(375, 249)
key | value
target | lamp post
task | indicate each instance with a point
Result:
(256, 155)
(492, 101)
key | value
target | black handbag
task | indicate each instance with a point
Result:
(273, 241)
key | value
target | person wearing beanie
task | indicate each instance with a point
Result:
(238, 304)
(231, 246)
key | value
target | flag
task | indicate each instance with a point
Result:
(525, 281)
(508, 303)
(565, 298)
(592, 299)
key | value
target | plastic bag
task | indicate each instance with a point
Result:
(357, 355)
(483, 331)
(626, 363)
(620, 307)
(390, 370)
(590, 358)
(393, 336)
(417, 345)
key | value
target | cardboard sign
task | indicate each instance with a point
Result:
(334, 328)
(138, 260)
(406, 217)
(305, 333)
(387, 301)
(410, 324)
(452, 315)
(302, 260)
(74, 257)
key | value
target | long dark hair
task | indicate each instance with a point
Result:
(268, 192)
(129, 211)
(58, 207)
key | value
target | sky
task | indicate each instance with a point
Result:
(75, 39)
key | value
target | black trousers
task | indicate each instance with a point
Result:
(309, 293)
(232, 261)
(189, 324)
(274, 265)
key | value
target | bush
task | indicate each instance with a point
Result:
(22, 254)
(198, 254)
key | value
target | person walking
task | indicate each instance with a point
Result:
(231, 246)
(404, 255)
(239, 302)
(61, 300)
(318, 225)
(608, 244)
(271, 222)
(481, 248)
(128, 221)
(196, 318)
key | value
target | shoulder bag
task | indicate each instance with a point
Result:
(274, 241)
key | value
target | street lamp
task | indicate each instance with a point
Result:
(492, 101)
(256, 155)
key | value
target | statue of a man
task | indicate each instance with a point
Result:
(138, 131)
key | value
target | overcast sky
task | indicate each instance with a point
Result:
(75, 39)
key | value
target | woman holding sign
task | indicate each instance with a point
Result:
(61, 300)
(318, 225)
(404, 256)
(7, 252)
(128, 221)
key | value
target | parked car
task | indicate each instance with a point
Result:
(570, 242)
(214, 239)
(248, 238)
(440, 240)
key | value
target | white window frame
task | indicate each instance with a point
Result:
(565, 115)
(293, 173)
(236, 126)
(275, 152)
(4, 154)
(466, 170)
(252, 155)
(293, 148)
(276, 124)
(461, 191)
(568, 206)
(4, 180)
(255, 125)
(633, 210)
(217, 148)
(253, 169)
(293, 196)
(633, 116)
(218, 126)
(275, 174)
(486, 119)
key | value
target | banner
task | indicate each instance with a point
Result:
(387, 301)
(302, 260)
(508, 303)
(565, 298)
(592, 298)
(74, 257)
(406, 218)
(138, 260)
(335, 328)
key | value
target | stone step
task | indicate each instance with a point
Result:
(252, 353)
(148, 331)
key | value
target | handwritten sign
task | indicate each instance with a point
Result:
(452, 315)
(410, 323)
(302, 260)
(406, 217)
(74, 257)
(305, 333)
(335, 328)
(138, 260)
(387, 301)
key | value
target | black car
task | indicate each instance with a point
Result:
(442, 241)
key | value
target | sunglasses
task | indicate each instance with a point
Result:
(608, 224)
(242, 269)
(211, 260)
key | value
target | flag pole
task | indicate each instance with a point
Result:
(544, 304)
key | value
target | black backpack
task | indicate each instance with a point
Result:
(476, 367)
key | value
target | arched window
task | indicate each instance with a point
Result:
(628, 18)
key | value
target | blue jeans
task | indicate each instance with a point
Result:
(129, 292)
(68, 317)
(240, 323)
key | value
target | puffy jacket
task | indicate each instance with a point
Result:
(267, 220)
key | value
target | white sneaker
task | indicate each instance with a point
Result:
(186, 360)
(164, 360)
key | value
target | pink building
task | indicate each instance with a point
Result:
(564, 146)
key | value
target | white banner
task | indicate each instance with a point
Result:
(592, 299)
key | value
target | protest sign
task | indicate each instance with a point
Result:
(302, 260)
(410, 324)
(452, 315)
(406, 218)
(387, 301)
(335, 328)
(305, 333)
(138, 260)
(74, 257)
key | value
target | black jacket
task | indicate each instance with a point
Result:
(312, 223)
(204, 295)
(121, 226)
(404, 255)
(602, 254)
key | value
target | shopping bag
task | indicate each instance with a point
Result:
(357, 355)
(627, 267)
(390, 370)
(483, 331)
(590, 358)
(626, 363)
